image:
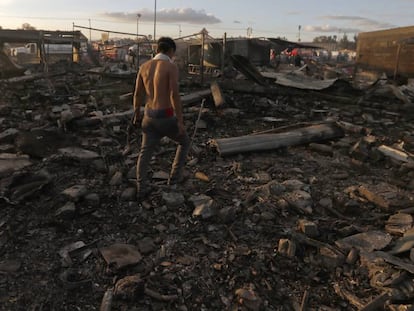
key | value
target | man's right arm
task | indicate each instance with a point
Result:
(139, 95)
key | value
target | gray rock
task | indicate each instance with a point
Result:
(99, 165)
(79, 154)
(66, 212)
(129, 194)
(300, 200)
(173, 199)
(161, 175)
(116, 179)
(276, 188)
(75, 193)
(293, 184)
(146, 245)
(326, 202)
(10, 163)
(367, 241)
(267, 216)
(227, 214)
(8, 135)
(93, 199)
(132, 173)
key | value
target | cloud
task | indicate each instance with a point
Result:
(293, 13)
(5, 2)
(183, 15)
(350, 24)
(237, 22)
(329, 28)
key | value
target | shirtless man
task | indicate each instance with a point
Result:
(157, 87)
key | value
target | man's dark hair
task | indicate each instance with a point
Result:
(165, 44)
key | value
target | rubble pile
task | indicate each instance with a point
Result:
(321, 224)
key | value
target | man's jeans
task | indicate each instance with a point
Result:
(153, 129)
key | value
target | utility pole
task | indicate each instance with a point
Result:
(179, 31)
(138, 49)
(90, 32)
(299, 28)
(155, 20)
(138, 17)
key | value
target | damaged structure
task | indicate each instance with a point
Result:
(390, 51)
(298, 191)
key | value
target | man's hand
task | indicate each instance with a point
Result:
(135, 119)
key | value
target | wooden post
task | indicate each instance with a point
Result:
(73, 38)
(397, 62)
(203, 39)
(223, 56)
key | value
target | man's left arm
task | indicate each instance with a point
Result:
(176, 99)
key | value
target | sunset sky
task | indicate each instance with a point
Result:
(267, 18)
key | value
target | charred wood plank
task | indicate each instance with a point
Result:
(250, 143)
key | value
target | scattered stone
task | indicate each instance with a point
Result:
(132, 173)
(146, 245)
(160, 228)
(65, 252)
(8, 135)
(263, 177)
(116, 179)
(192, 162)
(293, 184)
(227, 214)
(129, 194)
(173, 199)
(75, 193)
(267, 216)
(66, 212)
(330, 258)
(248, 299)
(129, 288)
(10, 266)
(10, 163)
(79, 154)
(300, 200)
(161, 175)
(205, 206)
(93, 199)
(309, 228)
(99, 165)
(121, 255)
(275, 188)
(367, 241)
(326, 202)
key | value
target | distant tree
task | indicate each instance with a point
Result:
(282, 38)
(325, 39)
(344, 43)
(27, 26)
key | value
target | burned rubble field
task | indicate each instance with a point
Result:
(269, 234)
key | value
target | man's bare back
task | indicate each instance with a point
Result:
(158, 77)
(157, 85)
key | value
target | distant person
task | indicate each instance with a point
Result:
(157, 88)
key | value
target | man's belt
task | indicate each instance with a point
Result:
(159, 113)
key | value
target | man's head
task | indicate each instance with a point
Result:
(166, 46)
